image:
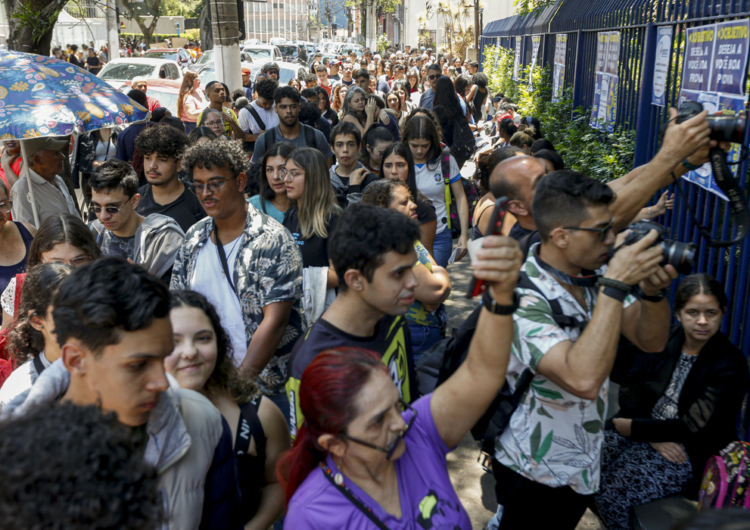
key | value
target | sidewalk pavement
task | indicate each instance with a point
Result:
(475, 488)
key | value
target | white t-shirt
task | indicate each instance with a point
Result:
(21, 380)
(209, 280)
(249, 125)
(430, 182)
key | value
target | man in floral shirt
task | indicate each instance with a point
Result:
(246, 264)
(547, 461)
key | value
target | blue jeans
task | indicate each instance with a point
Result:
(442, 247)
(422, 337)
(189, 126)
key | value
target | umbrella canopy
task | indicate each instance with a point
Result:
(44, 96)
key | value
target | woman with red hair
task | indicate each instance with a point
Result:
(365, 459)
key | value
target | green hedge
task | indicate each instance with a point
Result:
(190, 34)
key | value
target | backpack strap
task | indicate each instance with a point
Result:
(38, 364)
(525, 242)
(445, 167)
(560, 318)
(255, 114)
(309, 135)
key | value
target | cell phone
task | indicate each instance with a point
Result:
(495, 228)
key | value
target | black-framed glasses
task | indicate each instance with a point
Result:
(602, 231)
(6, 206)
(394, 444)
(212, 185)
(433, 77)
(110, 209)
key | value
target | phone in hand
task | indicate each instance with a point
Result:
(495, 228)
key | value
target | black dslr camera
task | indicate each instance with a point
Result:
(680, 255)
(723, 128)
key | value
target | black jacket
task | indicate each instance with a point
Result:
(708, 405)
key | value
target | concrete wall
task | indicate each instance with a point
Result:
(164, 25)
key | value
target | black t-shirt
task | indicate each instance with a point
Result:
(314, 249)
(186, 209)
(425, 209)
(94, 64)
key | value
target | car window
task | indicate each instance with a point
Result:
(207, 56)
(171, 56)
(258, 53)
(126, 71)
(207, 75)
(174, 72)
(165, 99)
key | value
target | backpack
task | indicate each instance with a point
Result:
(308, 131)
(249, 147)
(472, 195)
(726, 479)
(8, 363)
(441, 360)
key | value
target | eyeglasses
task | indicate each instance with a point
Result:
(394, 444)
(110, 209)
(214, 123)
(271, 72)
(602, 231)
(289, 176)
(6, 206)
(212, 185)
(75, 262)
(433, 77)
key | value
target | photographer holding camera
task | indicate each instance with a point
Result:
(549, 455)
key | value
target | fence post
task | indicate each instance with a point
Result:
(643, 129)
(577, 78)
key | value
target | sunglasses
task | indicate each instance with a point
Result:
(110, 209)
(433, 77)
(602, 231)
(394, 444)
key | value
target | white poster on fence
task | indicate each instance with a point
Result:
(604, 108)
(661, 65)
(714, 75)
(517, 60)
(558, 75)
(535, 41)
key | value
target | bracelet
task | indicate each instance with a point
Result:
(621, 286)
(614, 292)
(655, 298)
(689, 166)
(489, 303)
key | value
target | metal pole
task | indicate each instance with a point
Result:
(643, 126)
(476, 27)
(30, 196)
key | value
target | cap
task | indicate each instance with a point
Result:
(246, 70)
(376, 56)
(46, 143)
(335, 62)
(269, 66)
(138, 79)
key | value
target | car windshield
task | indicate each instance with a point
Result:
(207, 56)
(171, 56)
(126, 71)
(258, 53)
(288, 50)
(207, 75)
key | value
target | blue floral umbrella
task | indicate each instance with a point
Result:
(44, 96)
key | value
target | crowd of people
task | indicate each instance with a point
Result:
(226, 322)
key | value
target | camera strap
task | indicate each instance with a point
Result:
(737, 200)
(588, 279)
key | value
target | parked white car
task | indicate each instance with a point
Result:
(118, 71)
(263, 53)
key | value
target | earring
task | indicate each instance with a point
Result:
(338, 478)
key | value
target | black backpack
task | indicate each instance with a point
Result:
(464, 144)
(273, 137)
(441, 360)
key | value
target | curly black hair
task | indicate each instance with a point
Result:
(163, 140)
(75, 468)
(221, 154)
(266, 88)
(114, 174)
(480, 80)
(98, 301)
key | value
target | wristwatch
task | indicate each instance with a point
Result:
(493, 307)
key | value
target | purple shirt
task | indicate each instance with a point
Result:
(428, 499)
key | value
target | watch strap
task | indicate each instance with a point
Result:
(690, 167)
(489, 302)
(614, 292)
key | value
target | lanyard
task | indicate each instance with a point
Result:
(352, 498)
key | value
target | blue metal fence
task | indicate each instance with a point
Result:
(637, 21)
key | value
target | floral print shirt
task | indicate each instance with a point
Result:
(553, 437)
(268, 269)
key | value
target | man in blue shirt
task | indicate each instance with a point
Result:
(427, 99)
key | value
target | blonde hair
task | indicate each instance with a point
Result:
(318, 201)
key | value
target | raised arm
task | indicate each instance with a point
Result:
(458, 403)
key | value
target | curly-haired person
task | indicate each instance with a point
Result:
(41, 480)
(246, 264)
(162, 148)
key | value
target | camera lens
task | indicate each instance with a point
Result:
(726, 128)
(680, 255)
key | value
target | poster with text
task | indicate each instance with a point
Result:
(604, 108)
(714, 75)
(535, 41)
(558, 74)
(517, 60)
(661, 65)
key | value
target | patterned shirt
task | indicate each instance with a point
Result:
(268, 269)
(666, 407)
(553, 437)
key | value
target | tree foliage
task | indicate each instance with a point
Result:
(181, 8)
(145, 8)
(595, 153)
(525, 7)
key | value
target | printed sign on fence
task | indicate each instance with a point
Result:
(517, 60)
(604, 108)
(535, 41)
(714, 75)
(558, 75)
(661, 65)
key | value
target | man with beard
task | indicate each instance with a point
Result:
(162, 147)
(290, 129)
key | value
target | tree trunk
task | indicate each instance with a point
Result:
(32, 34)
(204, 23)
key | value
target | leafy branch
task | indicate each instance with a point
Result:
(40, 22)
(535, 7)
